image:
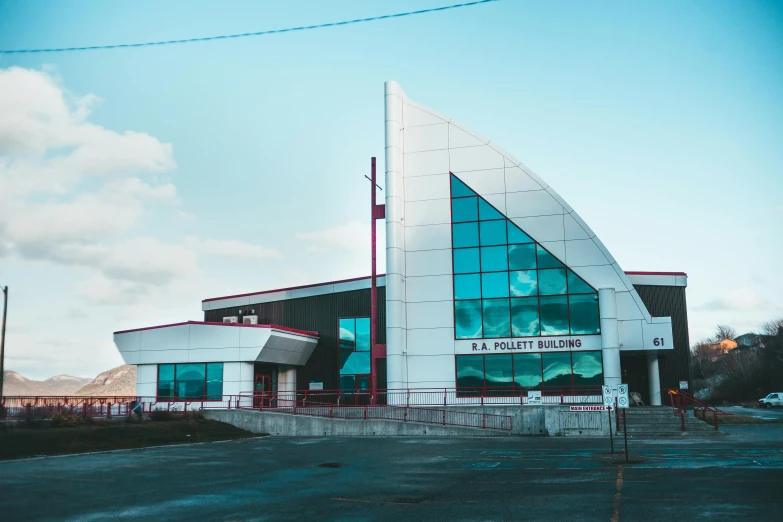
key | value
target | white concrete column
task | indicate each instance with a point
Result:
(396, 333)
(286, 382)
(610, 336)
(654, 379)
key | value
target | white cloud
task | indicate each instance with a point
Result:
(741, 299)
(231, 249)
(353, 236)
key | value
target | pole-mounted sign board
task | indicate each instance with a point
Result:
(622, 396)
(608, 397)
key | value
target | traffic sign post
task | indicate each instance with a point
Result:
(622, 402)
(608, 401)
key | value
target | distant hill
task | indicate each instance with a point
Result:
(117, 381)
(15, 384)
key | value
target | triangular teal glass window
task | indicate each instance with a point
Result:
(508, 285)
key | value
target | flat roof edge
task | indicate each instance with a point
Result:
(183, 323)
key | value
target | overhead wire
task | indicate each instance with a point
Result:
(245, 35)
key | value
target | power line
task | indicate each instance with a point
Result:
(244, 35)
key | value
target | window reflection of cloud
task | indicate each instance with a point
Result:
(523, 283)
(468, 319)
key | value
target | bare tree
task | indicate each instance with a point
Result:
(773, 328)
(724, 331)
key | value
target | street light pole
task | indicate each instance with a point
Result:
(2, 337)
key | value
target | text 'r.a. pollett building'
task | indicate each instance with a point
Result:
(494, 287)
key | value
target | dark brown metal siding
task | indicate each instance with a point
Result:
(316, 314)
(669, 301)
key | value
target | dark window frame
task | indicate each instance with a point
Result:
(174, 398)
(508, 271)
(355, 344)
(516, 390)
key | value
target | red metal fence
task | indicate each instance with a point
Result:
(680, 400)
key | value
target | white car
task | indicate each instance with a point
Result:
(773, 399)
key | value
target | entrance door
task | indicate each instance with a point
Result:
(634, 374)
(262, 391)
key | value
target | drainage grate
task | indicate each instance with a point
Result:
(330, 465)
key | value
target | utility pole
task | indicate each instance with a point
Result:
(376, 212)
(2, 337)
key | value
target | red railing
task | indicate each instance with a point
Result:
(44, 407)
(287, 402)
(680, 400)
(449, 396)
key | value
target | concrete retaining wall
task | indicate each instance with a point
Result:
(287, 425)
(548, 420)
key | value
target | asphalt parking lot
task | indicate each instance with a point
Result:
(737, 477)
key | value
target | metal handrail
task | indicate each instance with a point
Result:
(679, 400)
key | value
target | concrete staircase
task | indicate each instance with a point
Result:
(659, 421)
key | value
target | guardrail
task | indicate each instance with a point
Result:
(310, 406)
(680, 399)
(447, 396)
(45, 407)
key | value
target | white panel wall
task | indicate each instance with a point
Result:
(422, 147)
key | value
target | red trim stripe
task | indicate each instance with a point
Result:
(382, 275)
(272, 326)
(658, 273)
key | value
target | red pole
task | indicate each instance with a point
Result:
(373, 288)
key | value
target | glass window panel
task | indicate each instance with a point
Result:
(347, 334)
(524, 317)
(470, 375)
(498, 375)
(493, 233)
(493, 259)
(363, 334)
(584, 314)
(348, 382)
(515, 235)
(527, 370)
(493, 284)
(588, 368)
(552, 282)
(554, 315)
(190, 379)
(165, 380)
(577, 285)
(467, 315)
(465, 235)
(522, 257)
(487, 211)
(466, 260)
(547, 260)
(497, 320)
(357, 362)
(464, 209)
(214, 381)
(523, 283)
(557, 369)
(467, 286)
(459, 189)
(362, 383)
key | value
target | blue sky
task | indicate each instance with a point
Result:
(659, 122)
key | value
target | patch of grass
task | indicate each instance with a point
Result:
(21, 440)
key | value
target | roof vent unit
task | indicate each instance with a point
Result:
(232, 319)
(250, 319)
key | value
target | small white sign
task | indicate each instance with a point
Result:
(590, 408)
(683, 385)
(316, 385)
(622, 396)
(608, 396)
(534, 398)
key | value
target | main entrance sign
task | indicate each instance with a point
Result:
(529, 344)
